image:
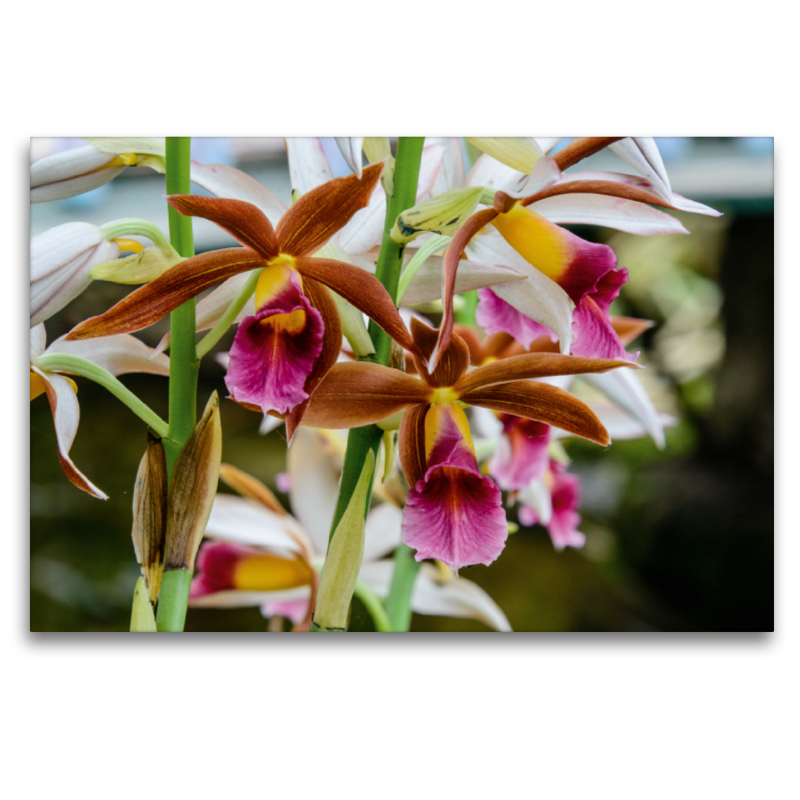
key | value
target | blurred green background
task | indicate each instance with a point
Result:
(677, 540)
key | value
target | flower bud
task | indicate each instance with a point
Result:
(150, 515)
(192, 489)
(143, 267)
(520, 153)
(345, 554)
(443, 214)
(61, 260)
(142, 618)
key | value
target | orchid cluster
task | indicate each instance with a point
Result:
(417, 327)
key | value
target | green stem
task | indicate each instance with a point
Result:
(183, 370)
(390, 263)
(374, 606)
(173, 599)
(226, 320)
(398, 602)
(75, 365)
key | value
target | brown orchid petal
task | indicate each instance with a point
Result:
(543, 403)
(360, 393)
(582, 148)
(534, 365)
(449, 268)
(157, 298)
(497, 344)
(629, 328)
(318, 214)
(411, 444)
(453, 363)
(247, 223)
(610, 188)
(331, 347)
(363, 291)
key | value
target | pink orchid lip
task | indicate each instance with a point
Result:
(216, 568)
(274, 352)
(522, 453)
(495, 315)
(454, 513)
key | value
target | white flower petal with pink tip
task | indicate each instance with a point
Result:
(308, 164)
(641, 152)
(66, 416)
(350, 147)
(382, 531)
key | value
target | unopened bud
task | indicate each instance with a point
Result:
(443, 214)
(143, 267)
(150, 515)
(519, 153)
(192, 489)
(345, 554)
(142, 618)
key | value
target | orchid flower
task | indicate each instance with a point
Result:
(281, 354)
(453, 512)
(116, 355)
(260, 555)
(356, 242)
(81, 169)
(525, 213)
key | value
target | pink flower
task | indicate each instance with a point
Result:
(566, 495)
(521, 454)
(454, 514)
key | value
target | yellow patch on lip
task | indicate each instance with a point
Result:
(444, 396)
(274, 279)
(434, 423)
(37, 385)
(266, 573)
(540, 242)
(291, 323)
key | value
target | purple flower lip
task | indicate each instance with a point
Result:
(274, 352)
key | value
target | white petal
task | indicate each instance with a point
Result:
(314, 485)
(38, 340)
(485, 422)
(451, 173)
(129, 144)
(547, 143)
(68, 164)
(61, 260)
(487, 171)
(536, 495)
(426, 285)
(538, 297)
(624, 388)
(66, 415)
(429, 168)
(641, 152)
(621, 425)
(382, 532)
(609, 212)
(451, 597)
(238, 599)
(268, 424)
(350, 147)
(365, 228)
(308, 164)
(243, 521)
(544, 174)
(676, 200)
(118, 354)
(224, 181)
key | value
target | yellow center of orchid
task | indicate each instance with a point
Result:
(273, 279)
(37, 385)
(266, 573)
(535, 238)
(444, 396)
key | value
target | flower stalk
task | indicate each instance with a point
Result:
(184, 367)
(390, 263)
